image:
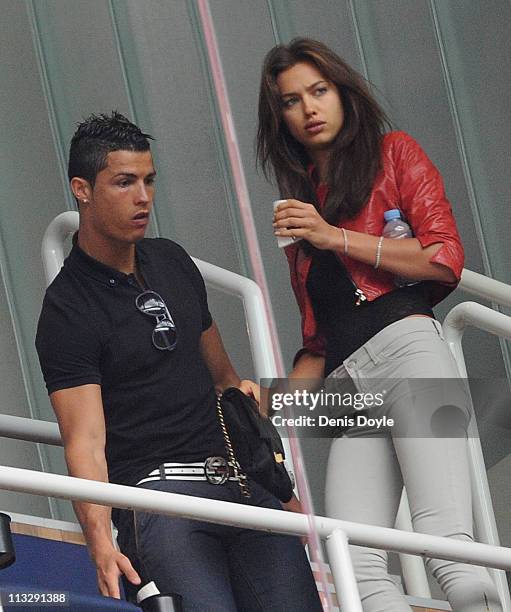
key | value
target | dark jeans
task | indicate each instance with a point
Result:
(217, 568)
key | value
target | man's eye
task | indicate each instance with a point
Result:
(150, 180)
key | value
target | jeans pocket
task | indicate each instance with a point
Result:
(407, 345)
(438, 328)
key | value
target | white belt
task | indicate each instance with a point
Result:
(214, 470)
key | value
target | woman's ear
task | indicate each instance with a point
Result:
(81, 189)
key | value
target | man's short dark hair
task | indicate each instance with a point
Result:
(98, 136)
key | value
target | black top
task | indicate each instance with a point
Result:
(345, 325)
(159, 405)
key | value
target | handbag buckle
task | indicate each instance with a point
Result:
(216, 470)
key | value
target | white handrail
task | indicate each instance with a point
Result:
(414, 574)
(485, 287)
(31, 430)
(498, 324)
(471, 313)
(258, 328)
(52, 247)
(228, 513)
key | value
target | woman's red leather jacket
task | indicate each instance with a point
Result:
(409, 181)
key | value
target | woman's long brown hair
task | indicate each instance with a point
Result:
(356, 152)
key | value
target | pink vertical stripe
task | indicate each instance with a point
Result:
(256, 262)
(238, 174)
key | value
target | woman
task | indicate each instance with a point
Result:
(323, 135)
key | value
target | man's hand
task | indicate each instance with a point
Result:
(110, 566)
(81, 420)
(251, 389)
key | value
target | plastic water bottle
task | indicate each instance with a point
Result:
(395, 227)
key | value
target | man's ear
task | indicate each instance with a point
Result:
(81, 189)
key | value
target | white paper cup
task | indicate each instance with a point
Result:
(283, 241)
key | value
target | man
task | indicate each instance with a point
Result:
(131, 359)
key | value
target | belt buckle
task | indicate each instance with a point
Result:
(216, 470)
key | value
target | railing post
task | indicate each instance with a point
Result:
(342, 571)
(498, 324)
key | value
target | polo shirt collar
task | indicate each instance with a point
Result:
(78, 258)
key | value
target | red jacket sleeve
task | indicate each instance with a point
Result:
(424, 203)
(313, 340)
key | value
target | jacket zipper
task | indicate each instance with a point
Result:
(360, 296)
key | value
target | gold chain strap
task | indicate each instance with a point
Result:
(233, 462)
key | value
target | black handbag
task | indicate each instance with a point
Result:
(253, 444)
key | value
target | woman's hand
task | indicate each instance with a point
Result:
(294, 505)
(300, 220)
(250, 388)
(405, 257)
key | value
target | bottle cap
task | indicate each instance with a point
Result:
(393, 213)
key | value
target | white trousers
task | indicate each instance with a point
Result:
(367, 468)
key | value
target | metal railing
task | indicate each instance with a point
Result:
(456, 322)
(336, 533)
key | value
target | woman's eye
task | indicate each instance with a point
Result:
(289, 102)
(320, 91)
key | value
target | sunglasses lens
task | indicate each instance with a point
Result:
(151, 303)
(164, 335)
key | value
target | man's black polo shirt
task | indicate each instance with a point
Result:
(159, 405)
